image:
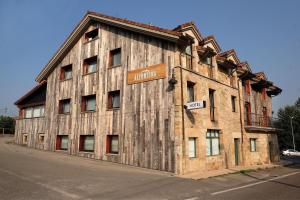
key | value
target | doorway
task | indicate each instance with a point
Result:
(236, 151)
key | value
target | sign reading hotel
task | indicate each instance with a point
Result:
(149, 73)
(195, 105)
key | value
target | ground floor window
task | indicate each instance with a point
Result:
(86, 143)
(62, 142)
(212, 143)
(252, 144)
(192, 147)
(112, 144)
(25, 138)
(41, 138)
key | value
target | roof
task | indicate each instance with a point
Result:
(32, 91)
(261, 75)
(90, 16)
(229, 53)
(187, 26)
(212, 39)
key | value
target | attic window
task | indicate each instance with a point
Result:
(91, 35)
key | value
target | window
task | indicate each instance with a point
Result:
(64, 106)
(113, 100)
(41, 138)
(247, 86)
(90, 65)
(62, 142)
(36, 111)
(112, 144)
(66, 72)
(88, 103)
(212, 104)
(212, 143)
(188, 53)
(233, 98)
(208, 61)
(190, 90)
(89, 36)
(28, 112)
(192, 147)
(25, 138)
(115, 57)
(248, 113)
(86, 143)
(252, 144)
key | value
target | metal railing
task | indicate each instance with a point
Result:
(252, 119)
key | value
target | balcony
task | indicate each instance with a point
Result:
(261, 123)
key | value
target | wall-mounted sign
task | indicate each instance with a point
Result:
(195, 105)
(147, 74)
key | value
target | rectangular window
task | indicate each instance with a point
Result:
(208, 61)
(62, 142)
(190, 90)
(212, 104)
(41, 137)
(212, 142)
(66, 72)
(91, 35)
(192, 147)
(248, 113)
(113, 100)
(90, 65)
(28, 112)
(88, 103)
(233, 99)
(25, 138)
(64, 106)
(86, 143)
(115, 57)
(189, 57)
(112, 144)
(252, 144)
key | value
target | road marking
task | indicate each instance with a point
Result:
(58, 190)
(192, 198)
(253, 184)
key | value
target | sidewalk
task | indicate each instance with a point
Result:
(238, 169)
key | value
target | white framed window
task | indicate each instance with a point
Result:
(212, 143)
(192, 147)
(28, 112)
(252, 144)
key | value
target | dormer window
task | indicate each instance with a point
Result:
(90, 65)
(188, 56)
(91, 35)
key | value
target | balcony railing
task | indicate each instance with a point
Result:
(252, 119)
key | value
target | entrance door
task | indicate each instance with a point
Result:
(236, 150)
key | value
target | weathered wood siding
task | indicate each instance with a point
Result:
(145, 120)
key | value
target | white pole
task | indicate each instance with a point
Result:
(293, 132)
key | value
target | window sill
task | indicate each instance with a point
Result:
(88, 111)
(112, 154)
(112, 109)
(33, 117)
(61, 150)
(63, 114)
(86, 42)
(87, 152)
(115, 66)
(63, 80)
(90, 73)
(210, 156)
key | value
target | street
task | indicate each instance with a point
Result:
(33, 174)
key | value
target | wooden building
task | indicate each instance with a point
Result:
(137, 94)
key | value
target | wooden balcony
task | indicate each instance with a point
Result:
(260, 123)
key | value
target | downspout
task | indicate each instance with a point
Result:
(241, 121)
(182, 117)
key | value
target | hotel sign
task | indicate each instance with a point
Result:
(195, 105)
(149, 73)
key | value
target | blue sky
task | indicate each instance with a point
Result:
(265, 33)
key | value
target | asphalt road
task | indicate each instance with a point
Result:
(39, 175)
